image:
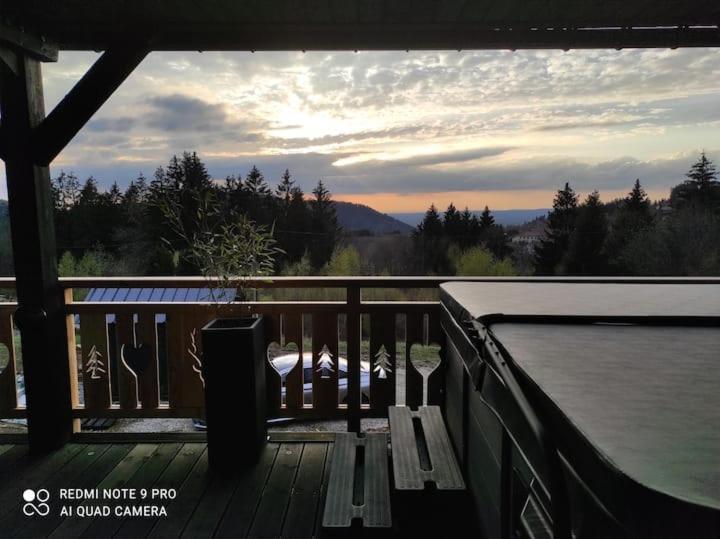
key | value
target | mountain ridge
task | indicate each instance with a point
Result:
(354, 217)
(502, 217)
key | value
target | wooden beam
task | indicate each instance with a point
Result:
(41, 311)
(364, 24)
(34, 45)
(3, 142)
(84, 100)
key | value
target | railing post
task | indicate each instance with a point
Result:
(41, 309)
(72, 357)
(353, 360)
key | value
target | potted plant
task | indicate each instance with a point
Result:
(228, 249)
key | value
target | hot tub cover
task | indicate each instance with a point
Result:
(493, 300)
(627, 374)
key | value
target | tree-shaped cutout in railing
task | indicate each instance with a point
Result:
(325, 363)
(95, 365)
(383, 363)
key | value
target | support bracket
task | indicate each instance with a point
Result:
(86, 97)
(35, 46)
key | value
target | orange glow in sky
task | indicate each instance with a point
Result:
(475, 200)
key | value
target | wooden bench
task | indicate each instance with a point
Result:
(421, 450)
(359, 484)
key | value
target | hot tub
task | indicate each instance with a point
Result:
(586, 407)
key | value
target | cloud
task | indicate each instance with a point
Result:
(184, 113)
(533, 119)
(122, 124)
(429, 159)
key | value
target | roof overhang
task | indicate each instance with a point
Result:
(368, 24)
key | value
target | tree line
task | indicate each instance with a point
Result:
(440, 242)
(123, 231)
(634, 236)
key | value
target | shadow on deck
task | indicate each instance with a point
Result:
(281, 496)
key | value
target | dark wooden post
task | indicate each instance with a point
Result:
(353, 358)
(41, 312)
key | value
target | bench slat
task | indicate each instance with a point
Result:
(445, 472)
(339, 509)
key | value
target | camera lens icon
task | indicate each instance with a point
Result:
(41, 496)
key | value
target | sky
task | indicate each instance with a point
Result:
(399, 130)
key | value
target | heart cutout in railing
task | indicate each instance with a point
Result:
(136, 358)
(283, 358)
(425, 357)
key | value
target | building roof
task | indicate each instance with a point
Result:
(368, 24)
(159, 294)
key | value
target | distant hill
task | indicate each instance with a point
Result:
(502, 217)
(356, 217)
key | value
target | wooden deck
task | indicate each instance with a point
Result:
(279, 497)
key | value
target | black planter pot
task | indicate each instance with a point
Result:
(234, 372)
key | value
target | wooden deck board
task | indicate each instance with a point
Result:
(172, 477)
(273, 505)
(305, 497)
(142, 479)
(73, 527)
(282, 495)
(245, 500)
(99, 469)
(189, 493)
(70, 473)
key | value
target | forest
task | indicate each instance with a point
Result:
(125, 232)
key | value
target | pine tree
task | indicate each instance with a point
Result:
(255, 184)
(703, 174)
(631, 219)
(452, 223)
(585, 254)
(294, 235)
(701, 189)
(559, 227)
(284, 190)
(115, 195)
(430, 244)
(470, 229)
(637, 199)
(486, 219)
(324, 226)
(431, 224)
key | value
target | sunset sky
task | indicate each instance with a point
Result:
(399, 130)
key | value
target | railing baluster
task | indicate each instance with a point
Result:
(383, 363)
(354, 337)
(414, 334)
(435, 380)
(72, 356)
(8, 386)
(148, 379)
(273, 384)
(95, 361)
(294, 387)
(175, 338)
(127, 383)
(325, 361)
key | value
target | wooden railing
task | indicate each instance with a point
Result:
(136, 354)
(359, 355)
